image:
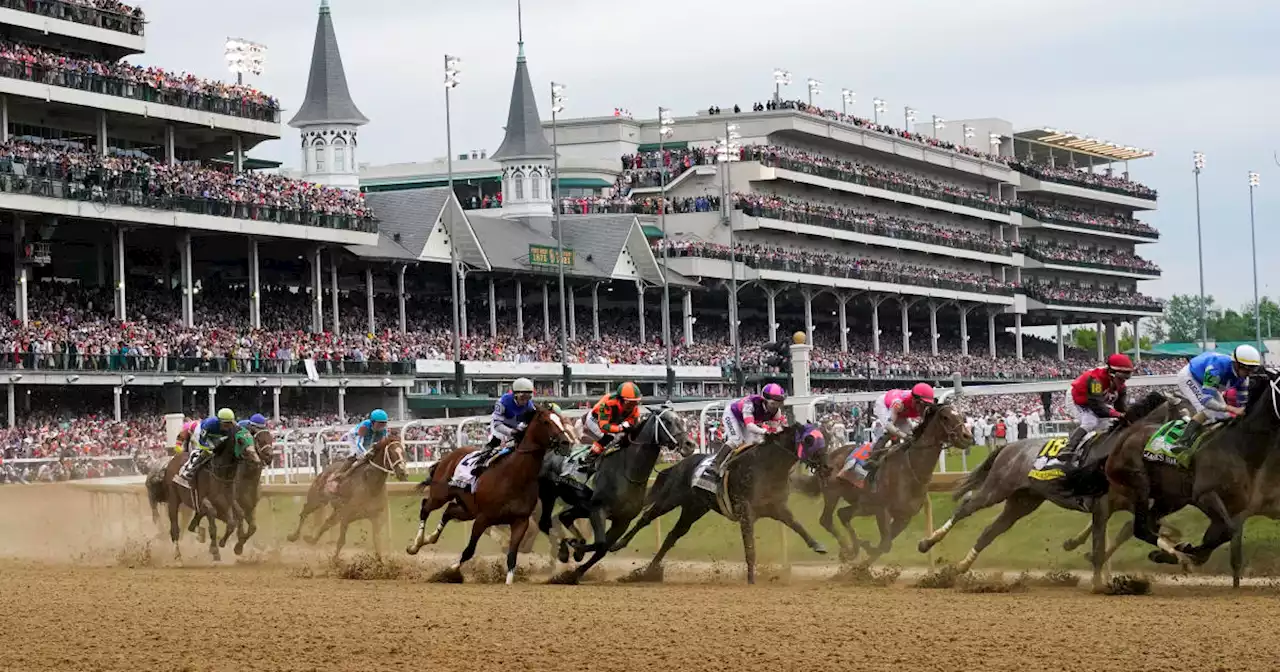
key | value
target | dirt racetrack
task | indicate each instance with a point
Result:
(60, 610)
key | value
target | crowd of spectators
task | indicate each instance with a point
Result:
(1089, 220)
(869, 223)
(108, 14)
(118, 78)
(134, 178)
(1093, 297)
(627, 204)
(836, 265)
(1051, 251)
(1086, 178)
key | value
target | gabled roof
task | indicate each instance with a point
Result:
(328, 100)
(409, 218)
(524, 139)
(607, 239)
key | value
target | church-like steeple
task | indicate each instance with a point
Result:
(328, 117)
(525, 154)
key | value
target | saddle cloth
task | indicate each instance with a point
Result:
(462, 474)
(571, 470)
(1053, 461)
(705, 476)
(1161, 447)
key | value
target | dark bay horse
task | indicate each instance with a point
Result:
(244, 492)
(1230, 477)
(621, 480)
(758, 487)
(362, 495)
(504, 494)
(901, 486)
(1005, 477)
(212, 498)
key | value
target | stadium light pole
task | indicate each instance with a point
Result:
(878, 106)
(1254, 180)
(938, 124)
(908, 117)
(666, 125)
(244, 57)
(846, 99)
(968, 133)
(726, 153)
(451, 79)
(557, 106)
(1197, 163)
(815, 87)
(781, 78)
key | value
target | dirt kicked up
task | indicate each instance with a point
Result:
(125, 610)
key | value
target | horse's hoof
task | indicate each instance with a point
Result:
(1186, 547)
(817, 547)
(239, 549)
(579, 553)
(292, 538)
(217, 557)
(1089, 557)
(312, 540)
(563, 554)
(412, 549)
(1071, 545)
(1162, 557)
(924, 545)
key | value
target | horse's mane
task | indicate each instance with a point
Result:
(1143, 407)
(1258, 384)
(925, 417)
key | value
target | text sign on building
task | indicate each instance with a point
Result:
(545, 255)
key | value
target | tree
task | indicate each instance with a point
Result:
(1085, 339)
(1182, 315)
(1126, 340)
(1157, 331)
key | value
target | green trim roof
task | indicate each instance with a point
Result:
(1193, 349)
(653, 146)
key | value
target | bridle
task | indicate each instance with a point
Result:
(389, 465)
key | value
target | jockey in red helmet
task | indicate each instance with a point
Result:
(1099, 397)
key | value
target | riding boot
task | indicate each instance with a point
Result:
(878, 454)
(488, 456)
(1073, 443)
(1188, 438)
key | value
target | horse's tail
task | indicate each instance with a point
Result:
(978, 476)
(155, 490)
(426, 482)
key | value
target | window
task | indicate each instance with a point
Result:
(319, 149)
(339, 158)
(519, 186)
(535, 179)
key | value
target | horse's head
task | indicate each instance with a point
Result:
(942, 425)
(810, 445)
(264, 442)
(669, 431)
(388, 456)
(546, 428)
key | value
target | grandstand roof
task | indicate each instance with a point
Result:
(408, 218)
(600, 244)
(328, 100)
(524, 138)
(1083, 144)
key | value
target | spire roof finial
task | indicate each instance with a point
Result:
(328, 100)
(524, 139)
(520, 28)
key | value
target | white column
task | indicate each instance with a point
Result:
(118, 272)
(595, 311)
(771, 305)
(991, 334)
(13, 412)
(188, 286)
(237, 152)
(640, 307)
(519, 310)
(275, 403)
(964, 330)
(808, 315)
(116, 393)
(255, 285)
(800, 380)
(933, 328)
(844, 322)
(368, 300)
(1062, 347)
(906, 326)
(400, 298)
(317, 292)
(4, 118)
(1137, 340)
(170, 145)
(493, 309)
(687, 316)
(102, 132)
(875, 324)
(572, 298)
(402, 405)
(1017, 333)
(213, 401)
(342, 404)
(1101, 336)
(546, 312)
(463, 327)
(333, 292)
(22, 274)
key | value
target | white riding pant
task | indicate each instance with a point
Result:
(734, 433)
(1089, 421)
(883, 414)
(1192, 391)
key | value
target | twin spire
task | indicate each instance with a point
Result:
(524, 138)
(328, 100)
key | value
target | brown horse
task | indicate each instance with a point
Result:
(244, 499)
(902, 484)
(214, 494)
(362, 495)
(504, 494)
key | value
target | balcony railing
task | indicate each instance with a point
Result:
(1031, 252)
(124, 363)
(132, 23)
(1105, 304)
(99, 185)
(124, 88)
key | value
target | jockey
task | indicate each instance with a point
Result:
(1203, 381)
(506, 422)
(254, 423)
(895, 410)
(188, 432)
(611, 417)
(209, 434)
(1099, 397)
(366, 435)
(748, 420)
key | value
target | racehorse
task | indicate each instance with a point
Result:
(244, 489)
(210, 497)
(902, 484)
(621, 480)
(362, 495)
(1230, 476)
(757, 487)
(504, 494)
(1005, 477)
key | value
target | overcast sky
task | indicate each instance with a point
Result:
(1173, 76)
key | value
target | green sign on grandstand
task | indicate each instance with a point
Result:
(545, 255)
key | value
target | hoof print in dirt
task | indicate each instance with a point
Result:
(645, 574)
(450, 575)
(941, 578)
(566, 578)
(990, 583)
(1126, 584)
(863, 575)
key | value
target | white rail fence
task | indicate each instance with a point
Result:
(303, 452)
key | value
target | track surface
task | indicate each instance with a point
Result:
(62, 611)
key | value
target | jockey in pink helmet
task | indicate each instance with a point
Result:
(893, 411)
(189, 430)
